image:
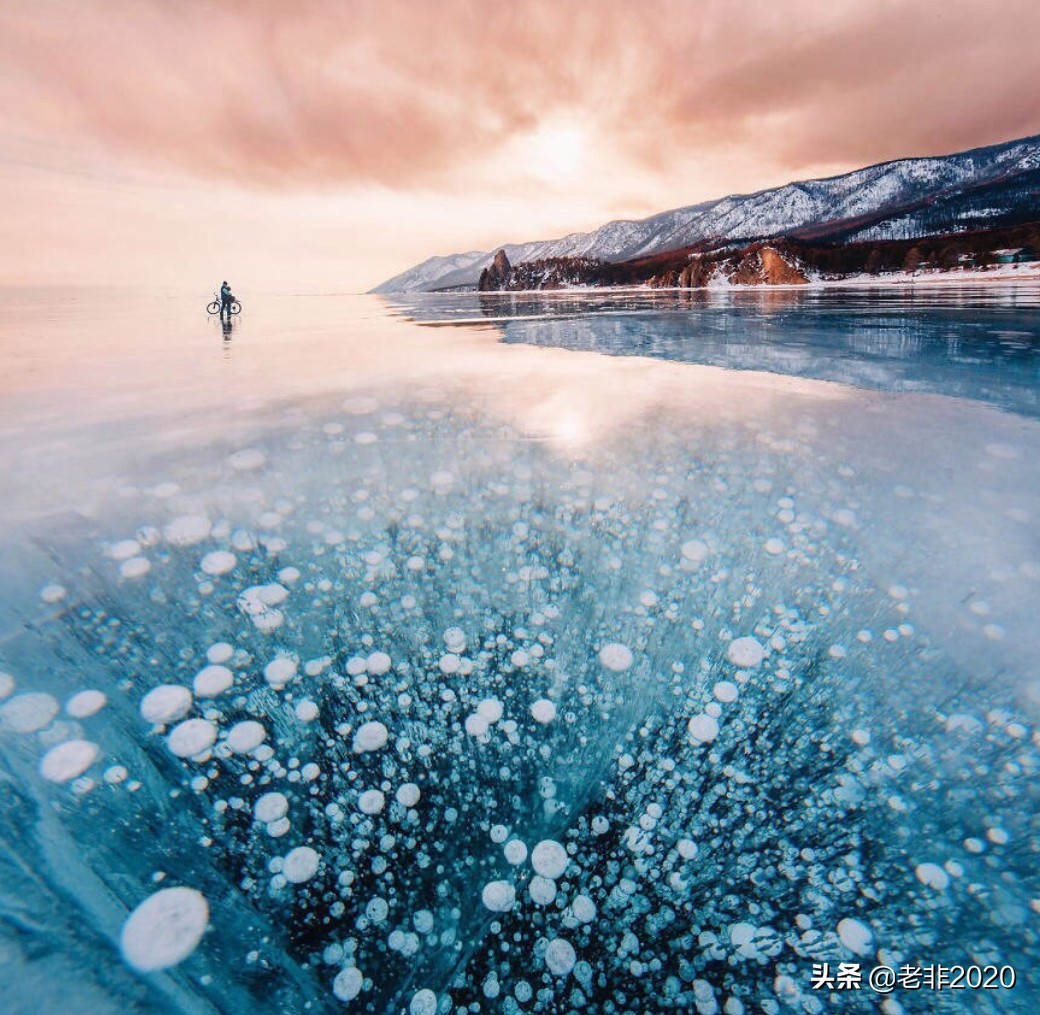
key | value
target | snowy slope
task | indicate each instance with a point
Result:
(892, 200)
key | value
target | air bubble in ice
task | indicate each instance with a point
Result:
(164, 929)
(616, 657)
(549, 858)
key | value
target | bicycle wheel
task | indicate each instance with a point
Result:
(213, 308)
(236, 307)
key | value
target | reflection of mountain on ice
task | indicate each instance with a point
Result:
(938, 342)
(991, 186)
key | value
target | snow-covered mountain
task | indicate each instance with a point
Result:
(997, 185)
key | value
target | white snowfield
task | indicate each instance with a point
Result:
(889, 186)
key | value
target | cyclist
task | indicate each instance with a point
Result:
(225, 298)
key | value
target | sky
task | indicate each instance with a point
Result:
(321, 146)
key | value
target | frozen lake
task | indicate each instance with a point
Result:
(549, 653)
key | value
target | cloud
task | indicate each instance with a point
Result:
(412, 95)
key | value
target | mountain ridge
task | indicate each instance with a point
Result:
(895, 199)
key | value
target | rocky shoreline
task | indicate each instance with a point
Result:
(785, 261)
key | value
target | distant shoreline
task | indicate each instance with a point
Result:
(1021, 274)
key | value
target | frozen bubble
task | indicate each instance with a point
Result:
(270, 807)
(378, 663)
(694, 551)
(583, 909)
(543, 710)
(408, 794)
(498, 896)
(192, 737)
(85, 704)
(490, 709)
(52, 593)
(449, 663)
(370, 737)
(165, 703)
(559, 956)
(246, 736)
(187, 530)
(774, 546)
(687, 848)
(442, 480)
(124, 549)
(855, 936)
(476, 725)
(220, 652)
(542, 890)
(741, 933)
(68, 760)
(932, 875)
(135, 567)
(269, 620)
(371, 801)
(844, 517)
(247, 459)
(280, 670)
(424, 1002)
(423, 921)
(515, 852)
(6, 684)
(164, 929)
(703, 729)
(211, 681)
(348, 983)
(114, 775)
(725, 691)
(499, 833)
(745, 652)
(300, 864)
(377, 909)
(549, 858)
(257, 599)
(306, 710)
(29, 712)
(455, 639)
(277, 828)
(520, 658)
(218, 562)
(616, 657)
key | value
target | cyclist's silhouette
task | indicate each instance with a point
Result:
(225, 299)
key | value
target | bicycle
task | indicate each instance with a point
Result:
(214, 307)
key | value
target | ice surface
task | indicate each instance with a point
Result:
(533, 718)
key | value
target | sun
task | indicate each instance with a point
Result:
(555, 151)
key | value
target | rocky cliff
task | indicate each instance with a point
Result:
(780, 262)
(496, 275)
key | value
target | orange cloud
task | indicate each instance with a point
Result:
(405, 93)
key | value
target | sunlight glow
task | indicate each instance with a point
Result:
(555, 151)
